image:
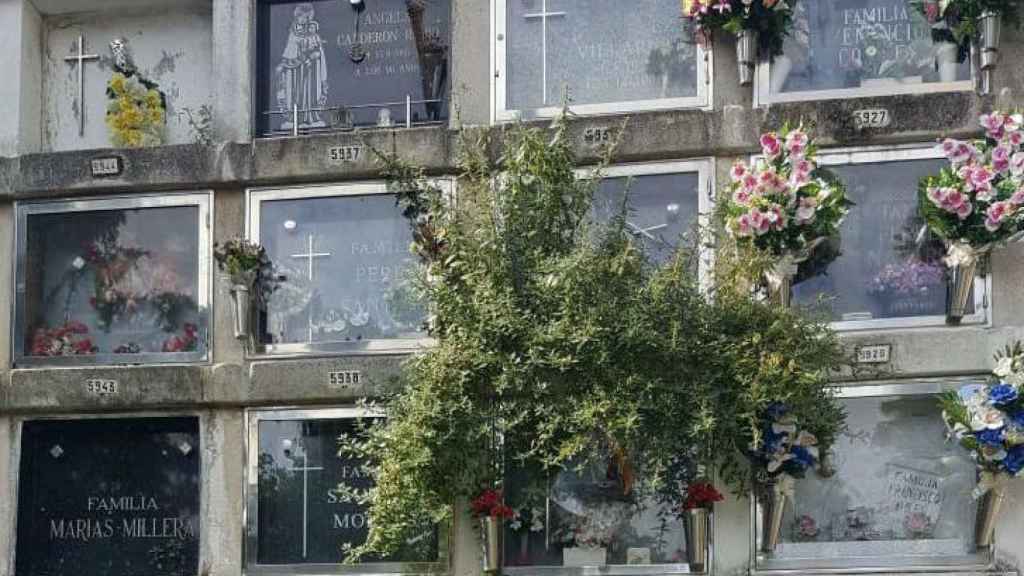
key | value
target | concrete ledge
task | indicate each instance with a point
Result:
(83, 389)
(286, 382)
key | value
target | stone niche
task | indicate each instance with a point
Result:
(168, 43)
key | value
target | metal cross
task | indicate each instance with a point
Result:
(79, 60)
(544, 15)
(638, 231)
(305, 469)
(311, 255)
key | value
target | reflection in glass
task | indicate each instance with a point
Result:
(885, 268)
(899, 489)
(881, 44)
(347, 270)
(121, 282)
(334, 65)
(598, 50)
(303, 517)
(591, 517)
(661, 210)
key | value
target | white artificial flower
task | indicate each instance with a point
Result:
(78, 263)
(1004, 367)
(986, 418)
(1015, 379)
(779, 428)
(537, 520)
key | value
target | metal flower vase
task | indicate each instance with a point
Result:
(988, 512)
(746, 55)
(989, 27)
(490, 534)
(242, 310)
(962, 262)
(780, 281)
(695, 522)
(773, 508)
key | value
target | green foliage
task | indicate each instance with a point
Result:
(559, 344)
(770, 19)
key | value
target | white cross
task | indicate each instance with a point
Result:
(544, 15)
(311, 255)
(638, 231)
(79, 60)
(306, 469)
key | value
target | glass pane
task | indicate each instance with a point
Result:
(302, 517)
(877, 44)
(118, 497)
(661, 211)
(882, 269)
(121, 282)
(900, 491)
(347, 268)
(600, 50)
(589, 518)
(368, 58)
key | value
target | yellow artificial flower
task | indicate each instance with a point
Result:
(687, 5)
(117, 82)
(153, 99)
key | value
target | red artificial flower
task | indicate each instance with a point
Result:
(489, 503)
(701, 495)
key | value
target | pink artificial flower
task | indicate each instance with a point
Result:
(796, 143)
(799, 179)
(1017, 164)
(777, 218)
(738, 170)
(805, 213)
(770, 145)
(759, 221)
(744, 227)
(993, 124)
(931, 11)
(958, 152)
(749, 181)
(980, 177)
(1013, 122)
(1001, 158)
(803, 166)
(1014, 139)
(937, 195)
(742, 197)
(995, 215)
(1018, 197)
(956, 202)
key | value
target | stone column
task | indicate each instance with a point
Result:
(233, 54)
(20, 59)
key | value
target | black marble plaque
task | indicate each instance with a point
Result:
(367, 57)
(303, 518)
(112, 497)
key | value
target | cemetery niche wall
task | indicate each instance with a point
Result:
(299, 517)
(592, 52)
(883, 272)
(327, 65)
(109, 496)
(899, 496)
(113, 281)
(841, 48)
(168, 46)
(343, 255)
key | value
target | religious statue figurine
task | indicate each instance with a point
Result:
(302, 73)
(122, 58)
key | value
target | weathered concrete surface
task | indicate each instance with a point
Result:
(304, 381)
(8, 473)
(232, 82)
(471, 63)
(62, 390)
(222, 499)
(228, 223)
(20, 49)
(170, 45)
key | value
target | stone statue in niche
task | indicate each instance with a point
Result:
(302, 72)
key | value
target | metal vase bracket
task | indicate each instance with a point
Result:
(989, 28)
(746, 55)
(962, 262)
(780, 281)
(490, 536)
(695, 522)
(773, 508)
(988, 512)
(242, 310)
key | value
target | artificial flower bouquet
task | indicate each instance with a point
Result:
(246, 264)
(701, 495)
(136, 112)
(957, 20)
(760, 26)
(783, 448)
(491, 503)
(71, 339)
(784, 204)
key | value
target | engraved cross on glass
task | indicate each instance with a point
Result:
(544, 15)
(305, 469)
(311, 255)
(79, 60)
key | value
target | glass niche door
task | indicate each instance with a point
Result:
(113, 281)
(882, 271)
(299, 521)
(604, 55)
(348, 278)
(899, 495)
(856, 48)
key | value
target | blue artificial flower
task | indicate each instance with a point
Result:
(1014, 460)
(803, 456)
(776, 410)
(1018, 418)
(991, 437)
(969, 391)
(1002, 394)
